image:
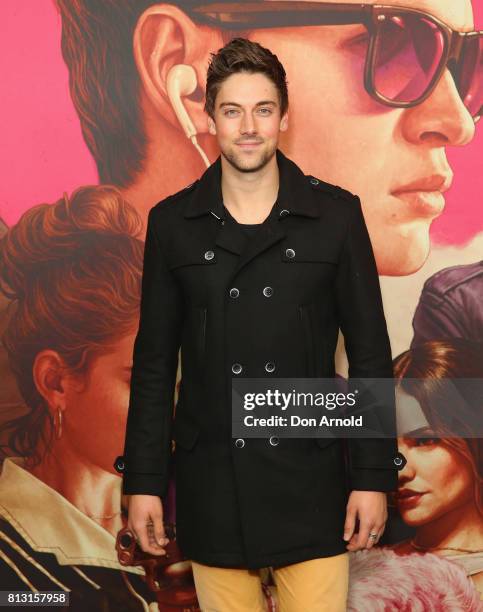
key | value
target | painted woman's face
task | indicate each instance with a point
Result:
(393, 158)
(435, 481)
(94, 421)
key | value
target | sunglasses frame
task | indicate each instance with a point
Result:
(273, 14)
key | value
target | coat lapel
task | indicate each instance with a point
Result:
(270, 232)
(295, 196)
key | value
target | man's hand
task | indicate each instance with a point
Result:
(145, 520)
(370, 507)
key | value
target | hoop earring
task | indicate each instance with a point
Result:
(58, 432)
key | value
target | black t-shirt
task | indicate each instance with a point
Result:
(248, 228)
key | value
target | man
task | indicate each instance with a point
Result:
(255, 306)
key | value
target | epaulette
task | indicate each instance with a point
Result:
(334, 190)
(178, 194)
(183, 191)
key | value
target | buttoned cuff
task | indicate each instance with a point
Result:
(144, 484)
(141, 483)
(376, 474)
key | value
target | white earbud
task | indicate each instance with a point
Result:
(181, 81)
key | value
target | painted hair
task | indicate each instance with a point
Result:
(104, 83)
(434, 361)
(73, 271)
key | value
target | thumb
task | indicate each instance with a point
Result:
(349, 524)
(158, 528)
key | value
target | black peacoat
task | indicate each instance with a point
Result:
(270, 306)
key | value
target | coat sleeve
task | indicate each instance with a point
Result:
(373, 463)
(147, 448)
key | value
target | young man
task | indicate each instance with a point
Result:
(251, 270)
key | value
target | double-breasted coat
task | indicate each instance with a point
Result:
(270, 306)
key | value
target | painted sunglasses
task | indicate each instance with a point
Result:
(407, 53)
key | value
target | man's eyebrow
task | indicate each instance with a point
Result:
(262, 103)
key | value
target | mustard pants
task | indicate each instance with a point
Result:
(317, 585)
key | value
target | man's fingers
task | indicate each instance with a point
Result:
(349, 524)
(363, 534)
(157, 530)
(371, 541)
(379, 530)
(145, 521)
(146, 540)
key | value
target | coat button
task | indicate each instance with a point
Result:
(399, 460)
(283, 213)
(209, 255)
(268, 291)
(236, 368)
(234, 292)
(239, 442)
(269, 366)
(290, 253)
(274, 440)
(119, 464)
(314, 181)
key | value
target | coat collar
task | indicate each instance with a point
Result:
(294, 194)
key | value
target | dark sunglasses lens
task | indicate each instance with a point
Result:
(470, 81)
(408, 52)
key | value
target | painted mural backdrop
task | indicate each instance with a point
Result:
(90, 143)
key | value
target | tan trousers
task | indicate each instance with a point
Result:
(317, 585)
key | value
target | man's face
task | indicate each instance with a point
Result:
(247, 120)
(393, 158)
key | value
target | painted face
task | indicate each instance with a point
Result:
(393, 158)
(436, 478)
(96, 407)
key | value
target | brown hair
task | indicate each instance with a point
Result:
(433, 361)
(243, 55)
(97, 38)
(73, 270)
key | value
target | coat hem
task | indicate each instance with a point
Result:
(236, 561)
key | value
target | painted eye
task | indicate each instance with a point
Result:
(428, 441)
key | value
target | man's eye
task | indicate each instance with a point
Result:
(269, 112)
(231, 110)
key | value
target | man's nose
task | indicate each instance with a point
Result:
(248, 124)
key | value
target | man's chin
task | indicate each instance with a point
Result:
(248, 162)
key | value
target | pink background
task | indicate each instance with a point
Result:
(41, 133)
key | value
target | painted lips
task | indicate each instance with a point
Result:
(408, 499)
(423, 203)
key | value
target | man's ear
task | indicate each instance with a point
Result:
(284, 122)
(165, 36)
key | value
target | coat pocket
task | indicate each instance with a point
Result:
(308, 339)
(324, 442)
(185, 433)
(304, 251)
(201, 334)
